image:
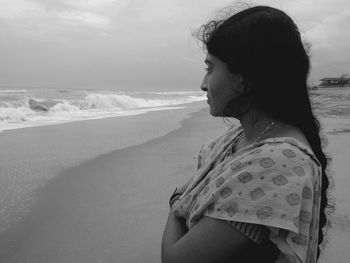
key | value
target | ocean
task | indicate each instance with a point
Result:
(29, 107)
(30, 158)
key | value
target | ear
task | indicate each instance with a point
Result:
(247, 83)
(238, 80)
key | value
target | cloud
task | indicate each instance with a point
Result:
(50, 23)
(76, 17)
(332, 32)
(152, 32)
(96, 5)
(330, 45)
(58, 15)
(19, 9)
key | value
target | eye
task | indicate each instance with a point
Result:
(208, 69)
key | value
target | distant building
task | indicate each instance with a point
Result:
(335, 82)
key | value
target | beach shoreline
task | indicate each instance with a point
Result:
(31, 157)
(113, 207)
(44, 222)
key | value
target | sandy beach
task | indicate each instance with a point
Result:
(104, 197)
(338, 135)
(111, 208)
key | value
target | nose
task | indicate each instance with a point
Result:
(204, 85)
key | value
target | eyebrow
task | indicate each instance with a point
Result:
(207, 61)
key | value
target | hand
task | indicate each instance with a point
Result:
(178, 192)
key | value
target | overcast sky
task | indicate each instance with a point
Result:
(141, 44)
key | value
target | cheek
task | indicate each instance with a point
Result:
(214, 91)
(222, 88)
(216, 86)
(228, 92)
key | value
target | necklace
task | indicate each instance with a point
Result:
(230, 150)
(265, 130)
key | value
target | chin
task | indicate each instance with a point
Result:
(215, 113)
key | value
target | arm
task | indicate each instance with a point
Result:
(174, 230)
(210, 240)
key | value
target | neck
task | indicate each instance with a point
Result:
(253, 123)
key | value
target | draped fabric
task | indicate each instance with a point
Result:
(254, 232)
(275, 182)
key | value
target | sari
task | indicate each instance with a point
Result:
(274, 183)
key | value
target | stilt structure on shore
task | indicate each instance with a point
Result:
(335, 82)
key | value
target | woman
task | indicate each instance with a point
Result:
(260, 191)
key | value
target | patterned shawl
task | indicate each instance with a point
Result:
(275, 182)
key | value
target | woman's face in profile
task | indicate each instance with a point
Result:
(220, 84)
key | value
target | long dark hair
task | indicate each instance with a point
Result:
(264, 45)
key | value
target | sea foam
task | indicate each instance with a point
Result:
(13, 91)
(28, 110)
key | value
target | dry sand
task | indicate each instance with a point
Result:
(113, 208)
(338, 245)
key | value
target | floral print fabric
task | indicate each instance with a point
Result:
(275, 182)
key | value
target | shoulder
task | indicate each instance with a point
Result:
(277, 162)
(284, 151)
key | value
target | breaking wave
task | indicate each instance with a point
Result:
(31, 111)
